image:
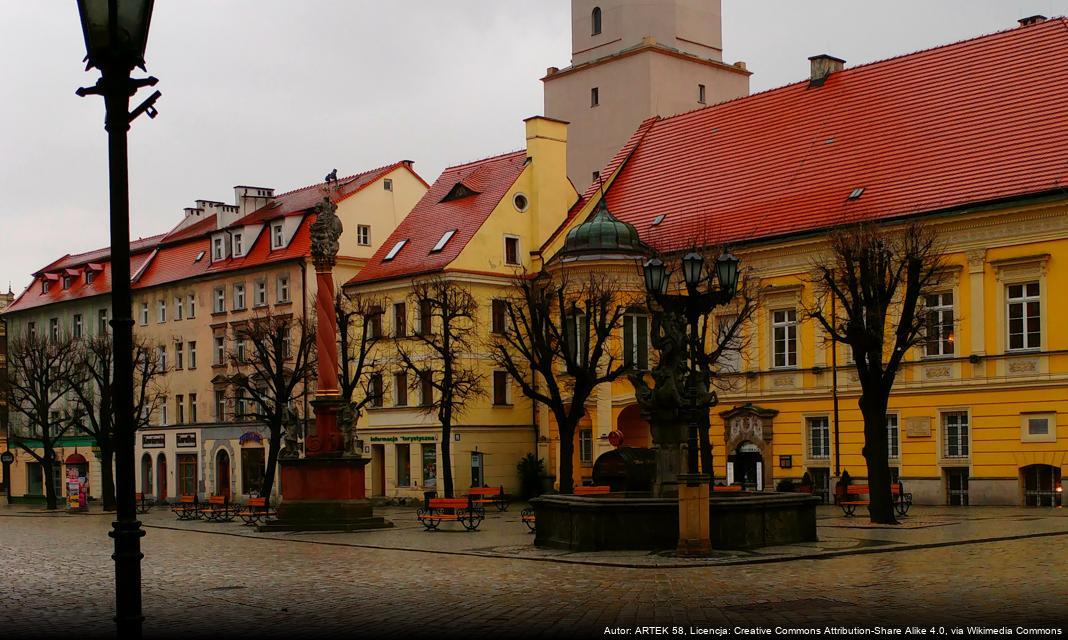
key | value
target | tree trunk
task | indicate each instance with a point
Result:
(273, 446)
(446, 457)
(705, 443)
(876, 454)
(567, 454)
(107, 476)
(49, 467)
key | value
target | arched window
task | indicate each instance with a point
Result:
(596, 20)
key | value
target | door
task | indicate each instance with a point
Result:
(187, 474)
(477, 470)
(253, 471)
(378, 470)
(957, 487)
(748, 467)
(222, 474)
(161, 477)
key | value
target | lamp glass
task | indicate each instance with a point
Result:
(692, 265)
(727, 272)
(655, 276)
(127, 45)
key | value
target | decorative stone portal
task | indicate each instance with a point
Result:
(748, 432)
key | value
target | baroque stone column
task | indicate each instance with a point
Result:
(325, 490)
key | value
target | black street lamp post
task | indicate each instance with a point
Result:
(116, 32)
(694, 305)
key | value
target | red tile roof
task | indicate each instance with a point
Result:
(301, 200)
(491, 178)
(971, 122)
(172, 256)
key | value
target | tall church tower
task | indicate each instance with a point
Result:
(632, 59)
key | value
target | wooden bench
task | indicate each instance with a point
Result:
(592, 490)
(527, 516)
(144, 505)
(256, 510)
(850, 497)
(187, 508)
(729, 488)
(219, 509)
(489, 495)
(462, 510)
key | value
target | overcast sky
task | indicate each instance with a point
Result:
(276, 93)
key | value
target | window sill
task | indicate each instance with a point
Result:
(283, 302)
(503, 405)
(218, 313)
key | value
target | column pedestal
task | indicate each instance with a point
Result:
(694, 536)
(325, 493)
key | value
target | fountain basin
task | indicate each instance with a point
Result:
(627, 521)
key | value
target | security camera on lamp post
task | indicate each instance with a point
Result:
(116, 34)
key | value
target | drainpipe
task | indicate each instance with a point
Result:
(834, 390)
(304, 310)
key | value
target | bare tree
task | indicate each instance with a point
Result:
(359, 360)
(559, 342)
(39, 371)
(441, 354)
(91, 386)
(273, 355)
(876, 277)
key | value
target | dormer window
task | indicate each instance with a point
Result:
(395, 250)
(66, 282)
(444, 241)
(44, 286)
(238, 246)
(90, 276)
(387, 184)
(218, 249)
(276, 236)
(459, 190)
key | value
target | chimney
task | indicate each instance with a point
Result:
(247, 200)
(823, 65)
(549, 187)
(1032, 20)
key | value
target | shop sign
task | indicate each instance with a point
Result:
(7, 457)
(249, 436)
(383, 438)
(185, 440)
(418, 438)
(153, 440)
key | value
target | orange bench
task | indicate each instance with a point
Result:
(489, 495)
(219, 509)
(462, 510)
(730, 488)
(527, 516)
(256, 509)
(187, 508)
(902, 501)
(592, 490)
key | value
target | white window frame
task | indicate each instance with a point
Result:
(192, 347)
(283, 289)
(192, 306)
(1024, 301)
(238, 244)
(963, 453)
(893, 437)
(219, 350)
(178, 307)
(789, 338)
(810, 444)
(585, 437)
(161, 311)
(277, 236)
(218, 249)
(940, 310)
(363, 235)
(219, 300)
(260, 296)
(239, 296)
(633, 350)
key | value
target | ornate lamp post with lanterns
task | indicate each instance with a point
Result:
(116, 33)
(678, 337)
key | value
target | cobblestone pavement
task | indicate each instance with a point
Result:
(57, 580)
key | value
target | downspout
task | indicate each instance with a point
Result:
(834, 390)
(304, 310)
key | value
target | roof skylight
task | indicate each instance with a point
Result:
(658, 219)
(395, 250)
(200, 256)
(859, 191)
(444, 241)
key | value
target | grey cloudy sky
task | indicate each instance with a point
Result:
(276, 93)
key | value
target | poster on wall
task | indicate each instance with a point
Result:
(185, 440)
(153, 440)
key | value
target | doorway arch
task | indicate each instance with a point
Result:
(745, 467)
(146, 474)
(222, 474)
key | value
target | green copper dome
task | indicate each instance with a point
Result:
(602, 232)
